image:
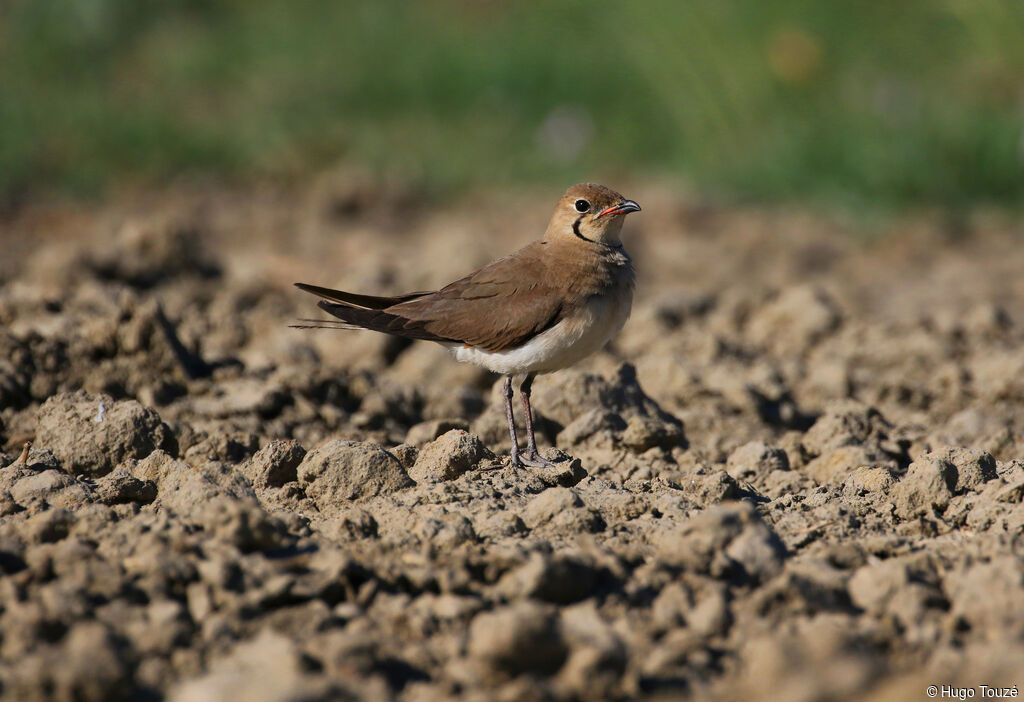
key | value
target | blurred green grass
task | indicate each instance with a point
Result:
(910, 102)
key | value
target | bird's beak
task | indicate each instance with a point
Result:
(624, 207)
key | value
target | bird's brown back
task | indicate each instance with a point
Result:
(507, 302)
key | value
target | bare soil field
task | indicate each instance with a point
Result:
(797, 474)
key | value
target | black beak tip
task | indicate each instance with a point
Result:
(624, 207)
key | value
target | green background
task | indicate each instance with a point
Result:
(860, 103)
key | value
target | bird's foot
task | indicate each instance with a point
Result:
(531, 460)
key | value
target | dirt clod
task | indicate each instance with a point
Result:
(798, 472)
(449, 456)
(90, 434)
(521, 638)
(274, 464)
(339, 471)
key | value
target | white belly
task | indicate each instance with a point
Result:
(568, 342)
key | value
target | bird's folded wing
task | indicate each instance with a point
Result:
(370, 302)
(501, 306)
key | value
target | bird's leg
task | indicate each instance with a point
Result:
(533, 457)
(516, 458)
(524, 391)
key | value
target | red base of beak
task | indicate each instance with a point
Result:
(624, 207)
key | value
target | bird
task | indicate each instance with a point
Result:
(537, 310)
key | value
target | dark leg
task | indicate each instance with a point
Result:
(511, 421)
(533, 457)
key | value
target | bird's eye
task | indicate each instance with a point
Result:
(582, 206)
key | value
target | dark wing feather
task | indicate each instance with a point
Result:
(371, 302)
(381, 321)
(501, 306)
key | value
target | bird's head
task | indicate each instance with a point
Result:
(592, 213)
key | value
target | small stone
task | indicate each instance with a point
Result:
(974, 467)
(49, 488)
(559, 579)
(446, 530)
(836, 465)
(550, 503)
(339, 471)
(523, 638)
(755, 460)
(121, 487)
(502, 524)
(868, 481)
(644, 432)
(275, 464)
(449, 456)
(155, 467)
(356, 524)
(926, 488)
(226, 445)
(844, 423)
(873, 586)
(562, 510)
(710, 488)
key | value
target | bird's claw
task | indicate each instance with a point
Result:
(534, 460)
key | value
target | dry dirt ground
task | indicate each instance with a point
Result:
(797, 474)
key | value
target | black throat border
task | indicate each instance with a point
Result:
(576, 231)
